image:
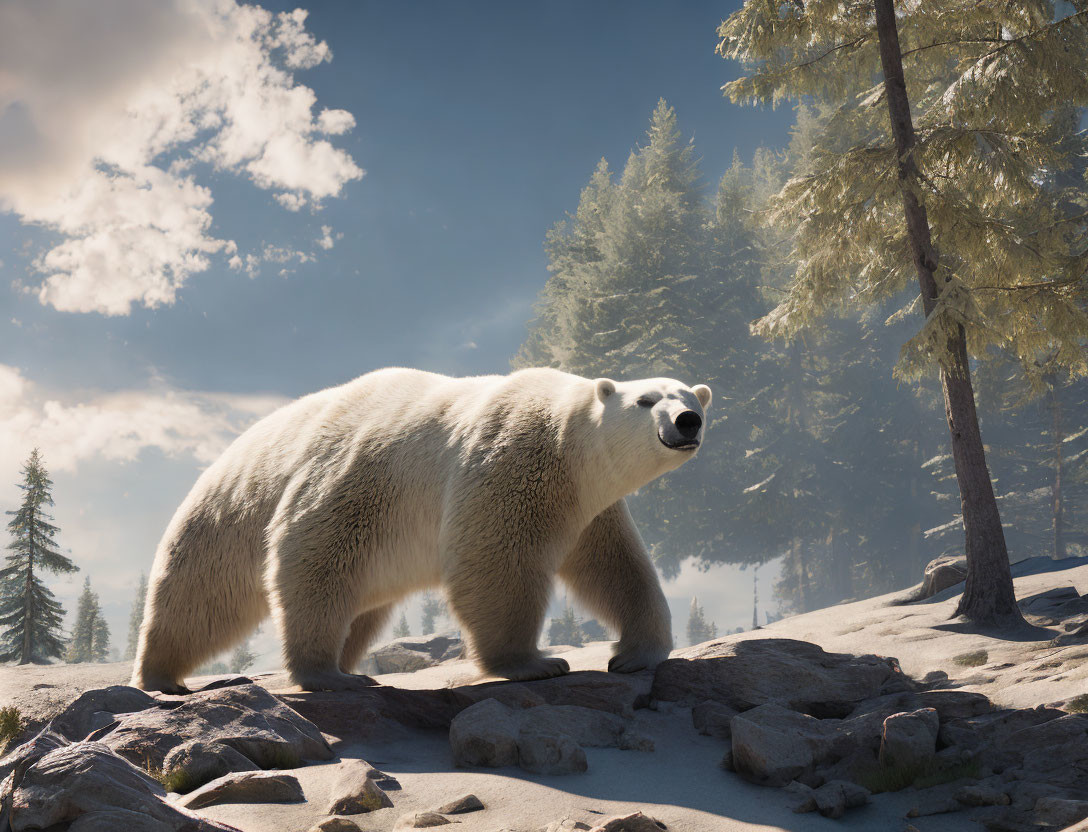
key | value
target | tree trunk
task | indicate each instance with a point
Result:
(988, 596)
(1056, 485)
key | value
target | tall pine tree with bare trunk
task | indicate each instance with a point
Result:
(29, 614)
(954, 193)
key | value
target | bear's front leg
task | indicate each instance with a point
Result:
(501, 597)
(610, 572)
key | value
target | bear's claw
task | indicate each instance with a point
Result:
(541, 667)
(332, 681)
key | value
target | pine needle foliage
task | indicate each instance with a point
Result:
(994, 88)
(699, 629)
(90, 640)
(136, 618)
(30, 616)
(402, 630)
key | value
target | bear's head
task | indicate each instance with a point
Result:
(654, 424)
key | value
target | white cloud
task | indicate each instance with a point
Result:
(105, 107)
(327, 239)
(119, 426)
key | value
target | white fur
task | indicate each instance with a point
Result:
(335, 507)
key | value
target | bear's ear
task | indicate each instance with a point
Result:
(605, 388)
(702, 393)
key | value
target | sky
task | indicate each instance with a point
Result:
(209, 208)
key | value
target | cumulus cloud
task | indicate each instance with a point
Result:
(327, 239)
(107, 112)
(118, 426)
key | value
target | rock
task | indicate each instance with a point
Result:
(203, 762)
(87, 784)
(834, 798)
(803, 801)
(226, 682)
(773, 745)
(584, 726)
(634, 740)
(616, 693)
(86, 713)
(335, 824)
(462, 805)
(550, 754)
(726, 762)
(355, 791)
(909, 739)
(936, 800)
(1060, 812)
(396, 658)
(712, 719)
(246, 787)
(565, 825)
(803, 676)
(954, 704)
(18, 761)
(420, 820)
(246, 718)
(485, 734)
(981, 796)
(941, 573)
(635, 822)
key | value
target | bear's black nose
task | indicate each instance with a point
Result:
(688, 423)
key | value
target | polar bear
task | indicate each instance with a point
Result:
(332, 509)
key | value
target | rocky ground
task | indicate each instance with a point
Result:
(779, 728)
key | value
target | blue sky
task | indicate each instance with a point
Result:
(477, 124)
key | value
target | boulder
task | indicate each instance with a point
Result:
(774, 745)
(336, 824)
(712, 719)
(195, 763)
(634, 822)
(462, 805)
(980, 795)
(550, 754)
(941, 573)
(247, 718)
(799, 675)
(420, 820)
(565, 825)
(485, 734)
(546, 739)
(354, 790)
(88, 784)
(909, 740)
(96, 709)
(396, 658)
(1056, 811)
(246, 787)
(832, 799)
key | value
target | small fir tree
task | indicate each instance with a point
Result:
(566, 629)
(30, 616)
(433, 609)
(136, 618)
(242, 659)
(81, 644)
(100, 638)
(699, 629)
(402, 630)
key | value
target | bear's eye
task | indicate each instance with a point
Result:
(645, 402)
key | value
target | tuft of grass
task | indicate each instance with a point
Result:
(11, 723)
(1078, 704)
(176, 780)
(896, 778)
(976, 658)
(280, 756)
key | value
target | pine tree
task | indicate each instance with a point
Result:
(402, 630)
(242, 658)
(973, 183)
(433, 609)
(29, 614)
(81, 644)
(136, 618)
(699, 629)
(566, 629)
(100, 637)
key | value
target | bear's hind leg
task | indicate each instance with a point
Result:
(364, 629)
